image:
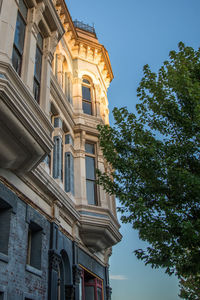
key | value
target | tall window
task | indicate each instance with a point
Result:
(86, 97)
(0, 11)
(69, 172)
(5, 217)
(34, 249)
(20, 28)
(58, 158)
(91, 187)
(91, 287)
(38, 68)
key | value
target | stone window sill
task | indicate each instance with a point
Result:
(3, 257)
(33, 270)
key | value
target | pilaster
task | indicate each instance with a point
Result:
(97, 90)
(80, 175)
(60, 59)
(77, 95)
(30, 43)
(8, 19)
(49, 47)
(76, 278)
(103, 196)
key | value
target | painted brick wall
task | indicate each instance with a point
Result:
(15, 279)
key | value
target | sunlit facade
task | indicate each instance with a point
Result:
(57, 226)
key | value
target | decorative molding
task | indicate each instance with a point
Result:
(53, 41)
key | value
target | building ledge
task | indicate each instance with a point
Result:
(33, 270)
(4, 257)
(25, 131)
(99, 229)
(51, 188)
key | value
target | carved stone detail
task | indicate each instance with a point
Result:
(54, 260)
(76, 274)
(54, 41)
(39, 12)
(108, 251)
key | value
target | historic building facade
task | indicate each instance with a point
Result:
(57, 227)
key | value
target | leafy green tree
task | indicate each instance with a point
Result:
(190, 288)
(155, 163)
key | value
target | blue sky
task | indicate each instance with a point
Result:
(136, 33)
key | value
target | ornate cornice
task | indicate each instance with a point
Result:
(84, 45)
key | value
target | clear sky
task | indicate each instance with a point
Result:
(136, 33)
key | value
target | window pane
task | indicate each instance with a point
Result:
(86, 81)
(90, 167)
(38, 64)
(40, 41)
(86, 93)
(0, 4)
(90, 188)
(23, 9)
(89, 292)
(5, 217)
(89, 148)
(87, 107)
(36, 245)
(19, 34)
(16, 60)
(36, 90)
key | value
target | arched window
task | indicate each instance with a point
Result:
(86, 97)
(65, 284)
